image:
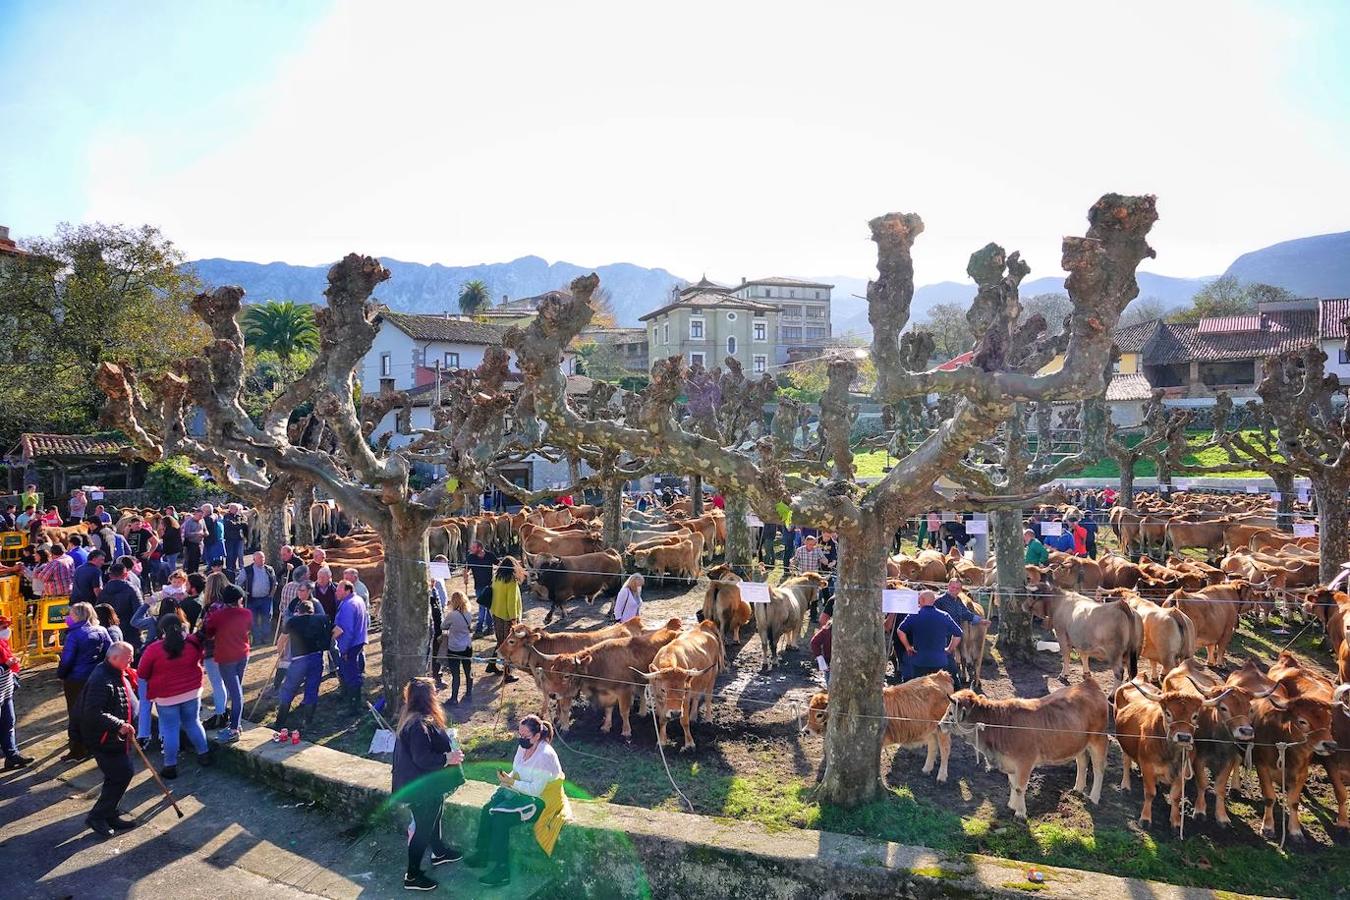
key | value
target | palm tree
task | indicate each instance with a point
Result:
(474, 297)
(282, 326)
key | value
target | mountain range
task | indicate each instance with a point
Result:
(1316, 266)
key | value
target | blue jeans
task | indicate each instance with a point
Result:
(233, 675)
(212, 550)
(234, 554)
(352, 667)
(168, 563)
(217, 686)
(8, 742)
(143, 711)
(261, 607)
(307, 669)
(484, 621)
(180, 717)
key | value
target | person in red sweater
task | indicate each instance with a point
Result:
(230, 627)
(171, 668)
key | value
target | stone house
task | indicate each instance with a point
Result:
(706, 322)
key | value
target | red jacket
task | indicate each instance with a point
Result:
(165, 677)
(230, 627)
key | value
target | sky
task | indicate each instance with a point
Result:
(732, 139)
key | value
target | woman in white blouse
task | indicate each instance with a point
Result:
(628, 604)
(518, 800)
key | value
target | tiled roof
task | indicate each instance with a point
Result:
(1128, 387)
(1281, 331)
(703, 284)
(709, 299)
(439, 328)
(50, 446)
(1331, 313)
(957, 362)
(777, 281)
(1131, 338)
(1228, 324)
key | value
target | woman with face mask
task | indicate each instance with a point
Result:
(85, 645)
(530, 791)
(9, 677)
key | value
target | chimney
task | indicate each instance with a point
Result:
(504, 299)
(742, 279)
(4, 234)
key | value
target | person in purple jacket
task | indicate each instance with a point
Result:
(86, 642)
(350, 627)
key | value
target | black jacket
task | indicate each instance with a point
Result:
(419, 750)
(105, 706)
(125, 600)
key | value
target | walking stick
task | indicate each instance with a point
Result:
(168, 795)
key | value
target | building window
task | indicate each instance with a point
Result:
(695, 329)
(666, 328)
(789, 333)
(768, 293)
(696, 359)
(761, 364)
(451, 360)
(386, 365)
(731, 317)
(731, 346)
(1115, 366)
(761, 331)
(792, 294)
(1343, 357)
(820, 295)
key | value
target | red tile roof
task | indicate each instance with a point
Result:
(1281, 331)
(1228, 324)
(55, 446)
(1331, 313)
(1128, 387)
(439, 328)
(957, 362)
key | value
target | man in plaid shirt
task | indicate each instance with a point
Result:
(809, 557)
(58, 575)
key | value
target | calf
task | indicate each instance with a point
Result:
(913, 713)
(681, 559)
(683, 672)
(1299, 716)
(604, 672)
(1017, 735)
(1156, 730)
(558, 579)
(1109, 631)
(525, 647)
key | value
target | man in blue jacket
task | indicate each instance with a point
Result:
(929, 637)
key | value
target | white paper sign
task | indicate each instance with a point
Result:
(1252, 489)
(1302, 495)
(1305, 529)
(754, 592)
(977, 526)
(822, 665)
(439, 571)
(899, 600)
(949, 517)
(382, 741)
(753, 520)
(1276, 496)
(1051, 529)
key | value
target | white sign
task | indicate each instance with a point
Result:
(1302, 495)
(1276, 496)
(1305, 529)
(822, 665)
(977, 526)
(754, 592)
(1051, 529)
(1252, 489)
(899, 600)
(753, 520)
(1183, 485)
(439, 571)
(948, 516)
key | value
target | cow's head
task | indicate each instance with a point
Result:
(816, 712)
(960, 706)
(671, 688)
(1310, 719)
(1036, 601)
(641, 558)
(1180, 709)
(558, 676)
(515, 648)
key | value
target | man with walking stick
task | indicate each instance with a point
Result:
(107, 717)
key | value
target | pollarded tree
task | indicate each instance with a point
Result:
(1101, 282)
(1152, 436)
(370, 484)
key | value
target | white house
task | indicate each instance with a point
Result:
(1331, 334)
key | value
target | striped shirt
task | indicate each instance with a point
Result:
(808, 559)
(57, 576)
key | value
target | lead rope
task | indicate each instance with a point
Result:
(661, 743)
(1280, 747)
(1187, 773)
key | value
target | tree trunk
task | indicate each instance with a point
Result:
(696, 495)
(1284, 509)
(404, 610)
(1015, 639)
(1331, 527)
(304, 530)
(1126, 498)
(738, 535)
(613, 515)
(272, 530)
(858, 668)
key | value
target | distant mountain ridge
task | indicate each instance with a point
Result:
(1316, 266)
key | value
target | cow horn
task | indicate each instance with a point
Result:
(1278, 702)
(1261, 695)
(547, 657)
(646, 676)
(1214, 701)
(1342, 696)
(1144, 688)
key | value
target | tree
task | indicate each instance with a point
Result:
(1101, 282)
(605, 317)
(282, 327)
(1145, 309)
(602, 361)
(1227, 296)
(1054, 308)
(1149, 439)
(946, 322)
(474, 297)
(371, 484)
(86, 294)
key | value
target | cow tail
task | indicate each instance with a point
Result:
(1187, 633)
(1136, 625)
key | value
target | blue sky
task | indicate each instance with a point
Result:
(732, 139)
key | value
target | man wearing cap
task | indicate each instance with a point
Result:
(107, 711)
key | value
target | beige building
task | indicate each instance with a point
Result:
(804, 320)
(707, 322)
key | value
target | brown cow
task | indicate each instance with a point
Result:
(604, 671)
(913, 713)
(682, 673)
(1108, 631)
(1017, 735)
(681, 560)
(559, 579)
(1299, 716)
(723, 604)
(1214, 609)
(1156, 731)
(536, 541)
(526, 646)
(1169, 634)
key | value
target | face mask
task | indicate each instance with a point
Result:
(524, 743)
(70, 621)
(4, 634)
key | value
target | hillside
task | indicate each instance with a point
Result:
(1309, 267)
